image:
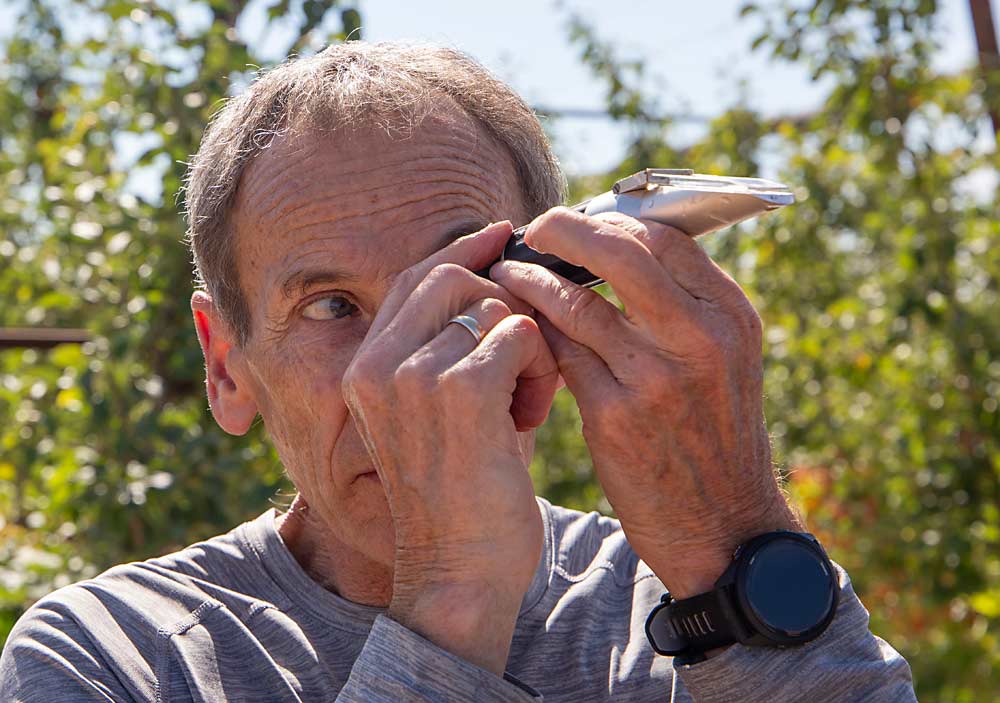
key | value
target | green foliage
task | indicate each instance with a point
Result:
(879, 296)
(107, 452)
(878, 292)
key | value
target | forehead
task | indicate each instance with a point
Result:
(350, 198)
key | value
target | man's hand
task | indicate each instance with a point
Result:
(440, 417)
(670, 391)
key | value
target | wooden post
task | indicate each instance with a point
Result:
(986, 42)
(40, 337)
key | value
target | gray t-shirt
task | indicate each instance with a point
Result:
(236, 618)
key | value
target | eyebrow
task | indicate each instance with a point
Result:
(303, 279)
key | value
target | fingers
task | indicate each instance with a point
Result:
(680, 255)
(445, 291)
(611, 252)
(587, 376)
(455, 341)
(473, 251)
(512, 357)
(514, 349)
(577, 312)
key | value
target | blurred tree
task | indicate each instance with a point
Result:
(879, 295)
(878, 292)
(107, 452)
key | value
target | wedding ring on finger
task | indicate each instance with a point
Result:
(471, 324)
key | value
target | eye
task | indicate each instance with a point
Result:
(329, 307)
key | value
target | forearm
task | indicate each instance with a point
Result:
(472, 622)
(846, 663)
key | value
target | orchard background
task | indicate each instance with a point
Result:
(878, 291)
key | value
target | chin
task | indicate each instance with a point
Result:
(526, 440)
(366, 523)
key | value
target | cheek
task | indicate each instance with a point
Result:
(300, 380)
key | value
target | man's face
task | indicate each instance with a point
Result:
(323, 224)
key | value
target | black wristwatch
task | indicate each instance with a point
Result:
(780, 590)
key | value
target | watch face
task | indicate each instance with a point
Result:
(788, 587)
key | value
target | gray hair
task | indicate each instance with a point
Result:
(349, 86)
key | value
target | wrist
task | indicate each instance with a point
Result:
(693, 568)
(780, 590)
(472, 621)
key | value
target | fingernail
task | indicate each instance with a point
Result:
(506, 268)
(493, 226)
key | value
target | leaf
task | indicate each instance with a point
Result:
(350, 20)
(987, 603)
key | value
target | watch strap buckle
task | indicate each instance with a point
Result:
(693, 625)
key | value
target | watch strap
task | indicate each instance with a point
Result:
(696, 624)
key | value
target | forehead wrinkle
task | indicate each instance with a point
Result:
(313, 165)
(475, 220)
(320, 249)
(257, 172)
(414, 156)
(443, 188)
(465, 175)
(459, 139)
(421, 206)
(461, 135)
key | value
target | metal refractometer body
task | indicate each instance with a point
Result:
(694, 203)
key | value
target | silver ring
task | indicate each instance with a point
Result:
(470, 323)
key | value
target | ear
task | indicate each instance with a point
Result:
(227, 377)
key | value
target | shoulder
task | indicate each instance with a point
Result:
(151, 595)
(107, 631)
(69, 646)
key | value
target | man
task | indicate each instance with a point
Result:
(337, 212)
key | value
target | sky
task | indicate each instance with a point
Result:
(698, 52)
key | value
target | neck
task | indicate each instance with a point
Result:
(336, 566)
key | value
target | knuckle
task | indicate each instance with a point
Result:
(678, 246)
(701, 337)
(581, 302)
(753, 323)
(745, 330)
(723, 282)
(407, 279)
(446, 276)
(494, 309)
(522, 324)
(624, 222)
(414, 376)
(669, 235)
(553, 219)
(461, 383)
(449, 272)
(557, 216)
(359, 380)
(516, 328)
